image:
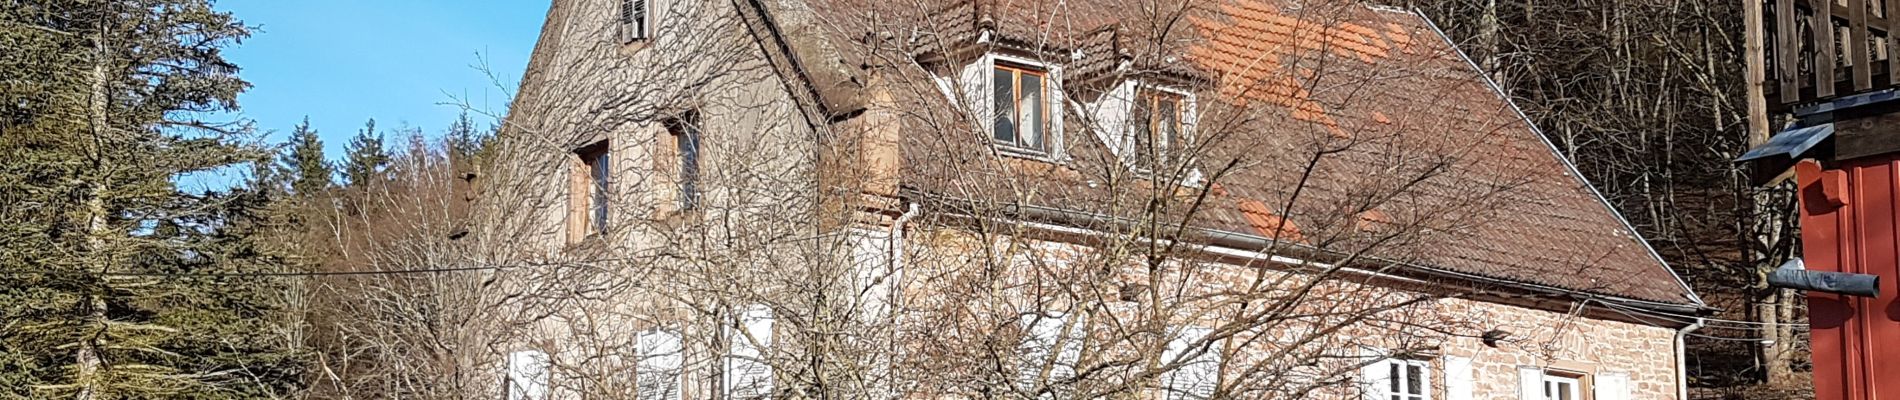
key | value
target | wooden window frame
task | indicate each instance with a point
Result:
(688, 133)
(1017, 71)
(1147, 100)
(590, 191)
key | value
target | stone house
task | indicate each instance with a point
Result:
(1043, 198)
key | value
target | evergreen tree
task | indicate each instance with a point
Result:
(367, 158)
(466, 143)
(117, 284)
(310, 173)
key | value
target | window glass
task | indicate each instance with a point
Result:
(1403, 379)
(686, 142)
(1005, 105)
(1157, 128)
(1031, 108)
(593, 180)
(1021, 108)
(599, 170)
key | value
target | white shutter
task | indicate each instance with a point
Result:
(1376, 376)
(1045, 332)
(977, 93)
(640, 20)
(1196, 378)
(661, 363)
(1458, 380)
(748, 376)
(1612, 386)
(875, 273)
(527, 375)
(1530, 383)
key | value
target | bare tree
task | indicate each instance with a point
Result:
(801, 200)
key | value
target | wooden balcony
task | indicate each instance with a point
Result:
(1856, 58)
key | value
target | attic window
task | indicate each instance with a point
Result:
(1022, 108)
(635, 25)
(1158, 125)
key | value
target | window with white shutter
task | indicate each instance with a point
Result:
(1542, 384)
(1197, 377)
(1611, 386)
(1530, 383)
(1052, 337)
(1397, 378)
(1458, 378)
(748, 376)
(661, 362)
(527, 375)
(635, 23)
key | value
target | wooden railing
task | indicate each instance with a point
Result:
(1826, 49)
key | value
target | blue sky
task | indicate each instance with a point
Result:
(342, 62)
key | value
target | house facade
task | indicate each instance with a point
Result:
(1064, 199)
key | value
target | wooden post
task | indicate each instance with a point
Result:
(1753, 58)
(1787, 52)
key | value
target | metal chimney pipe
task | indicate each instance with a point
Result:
(1794, 275)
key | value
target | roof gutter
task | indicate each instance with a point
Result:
(1302, 252)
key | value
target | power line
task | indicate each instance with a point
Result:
(258, 274)
(1691, 319)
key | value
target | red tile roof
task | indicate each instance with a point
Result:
(1413, 134)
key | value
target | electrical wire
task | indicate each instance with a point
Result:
(257, 274)
(1690, 318)
(1611, 307)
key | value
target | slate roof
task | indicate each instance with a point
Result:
(1416, 137)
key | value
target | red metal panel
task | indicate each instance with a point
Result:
(1827, 313)
(1875, 180)
(1849, 216)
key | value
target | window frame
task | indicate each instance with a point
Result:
(593, 189)
(688, 133)
(1575, 381)
(1399, 377)
(635, 21)
(1142, 125)
(1047, 124)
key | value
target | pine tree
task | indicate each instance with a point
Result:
(465, 142)
(118, 284)
(310, 172)
(367, 158)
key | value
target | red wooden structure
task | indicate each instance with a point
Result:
(1849, 215)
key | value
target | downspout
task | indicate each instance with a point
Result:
(1682, 361)
(897, 244)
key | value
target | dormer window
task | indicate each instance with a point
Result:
(1021, 108)
(1158, 125)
